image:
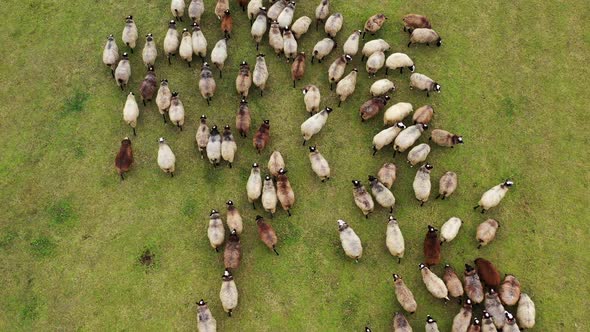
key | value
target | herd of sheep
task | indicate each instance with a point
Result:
(481, 281)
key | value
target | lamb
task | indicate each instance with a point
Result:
(346, 86)
(400, 323)
(525, 313)
(267, 234)
(163, 98)
(285, 193)
(176, 111)
(289, 44)
(269, 196)
(495, 308)
(275, 39)
(422, 183)
(336, 70)
(408, 137)
(423, 83)
(195, 9)
(375, 62)
(275, 163)
(260, 74)
(319, 164)
(423, 115)
(130, 34)
(387, 174)
(372, 107)
(148, 86)
(177, 9)
(214, 147)
(186, 46)
(383, 196)
(445, 138)
(232, 254)
(487, 272)
(431, 325)
(228, 146)
(123, 72)
(486, 232)
(219, 55)
(431, 247)
(110, 54)
(394, 240)
(351, 45)
(207, 84)
(453, 282)
(404, 295)
(493, 196)
(333, 24)
(322, 11)
(254, 185)
(386, 136)
(234, 220)
(227, 24)
(415, 21)
(262, 136)
(298, 67)
(450, 229)
(473, 286)
(215, 231)
(300, 26)
(424, 36)
(397, 113)
(171, 41)
(418, 154)
(221, 7)
(351, 243)
(244, 80)
(362, 199)
(447, 185)
(228, 293)
(511, 325)
(149, 53)
(399, 60)
(285, 18)
(314, 124)
(374, 23)
(322, 49)
(131, 111)
(462, 319)
(311, 98)
(377, 45)
(510, 290)
(124, 158)
(254, 7)
(259, 26)
(199, 42)
(275, 10)
(202, 136)
(382, 87)
(243, 118)
(205, 320)
(433, 283)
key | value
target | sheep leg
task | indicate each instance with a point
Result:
(143, 102)
(257, 46)
(123, 178)
(386, 71)
(293, 83)
(401, 70)
(289, 212)
(253, 206)
(427, 93)
(113, 72)
(312, 57)
(164, 117)
(391, 209)
(276, 252)
(399, 260)
(475, 207)
(394, 152)
(230, 166)
(479, 246)
(339, 102)
(374, 150)
(331, 86)
(261, 92)
(437, 196)
(220, 74)
(134, 134)
(171, 174)
(216, 250)
(366, 216)
(443, 198)
(317, 22)
(189, 63)
(483, 211)
(304, 141)
(410, 43)
(179, 126)
(364, 33)
(320, 60)
(169, 62)
(208, 102)
(421, 203)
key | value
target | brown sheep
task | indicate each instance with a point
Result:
(453, 282)
(243, 118)
(374, 23)
(226, 24)
(243, 4)
(387, 174)
(431, 247)
(423, 115)
(414, 21)
(487, 272)
(372, 107)
(244, 79)
(473, 286)
(232, 255)
(124, 157)
(510, 290)
(298, 67)
(262, 136)
(267, 234)
(445, 138)
(285, 193)
(148, 86)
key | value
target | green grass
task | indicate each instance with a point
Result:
(514, 77)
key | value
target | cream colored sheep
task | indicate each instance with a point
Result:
(322, 49)
(131, 111)
(199, 42)
(311, 98)
(269, 196)
(351, 243)
(275, 163)
(110, 54)
(319, 164)
(228, 146)
(171, 41)
(166, 158)
(219, 55)
(149, 53)
(386, 136)
(422, 183)
(333, 24)
(447, 185)
(408, 137)
(397, 113)
(123, 72)
(493, 196)
(254, 185)
(418, 154)
(214, 147)
(205, 320)
(314, 124)
(228, 293)
(215, 231)
(394, 240)
(351, 45)
(176, 111)
(163, 98)
(450, 229)
(202, 136)
(195, 10)
(130, 34)
(336, 69)
(346, 86)
(186, 47)
(433, 283)
(260, 74)
(401, 61)
(300, 26)
(382, 87)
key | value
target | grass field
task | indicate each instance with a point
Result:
(514, 78)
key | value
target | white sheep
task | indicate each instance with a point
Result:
(215, 231)
(275, 38)
(376, 45)
(259, 26)
(260, 73)
(314, 124)
(319, 164)
(351, 45)
(375, 62)
(205, 320)
(195, 9)
(422, 183)
(300, 26)
(333, 24)
(289, 44)
(228, 293)
(199, 42)
(219, 55)
(382, 195)
(418, 154)
(450, 229)
(285, 18)
(424, 83)
(202, 136)
(346, 86)
(131, 111)
(394, 239)
(166, 158)
(214, 147)
(254, 185)
(276, 8)
(322, 49)
(408, 137)
(269, 196)
(177, 9)
(130, 34)
(228, 146)
(163, 98)
(149, 53)
(526, 312)
(322, 11)
(311, 98)
(336, 69)
(434, 283)
(253, 9)
(397, 113)
(110, 54)
(382, 87)
(351, 243)
(171, 41)
(123, 72)
(399, 60)
(186, 47)
(176, 111)
(386, 136)
(493, 196)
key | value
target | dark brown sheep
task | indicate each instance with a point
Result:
(298, 67)
(372, 107)
(262, 136)
(243, 118)
(232, 255)
(226, 24)
(413, 21)
(267, 234)
(149, 85)
(124, 158)
(488, 273)
(432, 247)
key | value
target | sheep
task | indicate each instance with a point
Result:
(285, 18)
(372, 107)
(386, 137)
(415, 21)
(351, 45)
(275, 39)
(253, 9)
(207, 84)
(488, 323)
(493, 196)
(195, 9)
(232, 254)
(124, 158)
(382, 87)
(495, 308)
(259, 26)
(394, 240)
(254, 185)
(234, 220)
(445, 138)
(220, 7)
(319, 164)
(387, 174)
(453, 282)
(375, 62)
(462, 319)
(269, 196)
(219, 55)
(177, 9)
(431, 247)
(285, 193)
(228, 293)
(289, 44)
(228, 146)
(244, 80)
(473, 286)
(123, 72)
(383, 196)
(149, 53)
(511, 325)
(148, 86)
(243, 4)
(423, 83)
(311, 98)
(171, 41)
(424, 36)
(447, 185)
(260, 74)
(275, 163)
(300, 26)
(397, 113)
(322, 49)
(199, 42)
(408, 137)
(262, 136)
(202, 136)
(510, 290)
(433, 283)
(526, 312)
(423, 115)
(350, 242)
(186, 47)
(110, 54)
(276, 8)
(298, 67)
(487, 272)
(163, 98)
(215, 231)
(205, 320)
(374, 23)
(431, 325)
(214, 147)
(227, 24)
(377, 45)
(404, 295)
(399, 60)
(130, 34)
(243, 119)
(131, 111)
(450, 229)
(400, 323)
(322, 11)
(336, 70)
(486, 232)
(314, 124)
(362, 199)
(422, 184)
(176, 111)
(333, 24)
(418, 154)
(267, 234)
(346, 86)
